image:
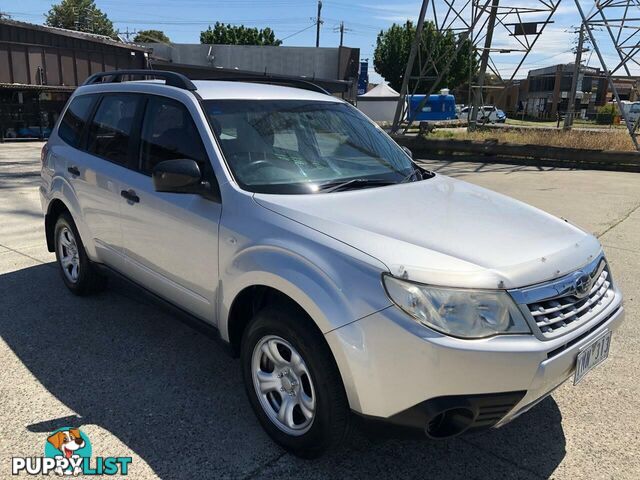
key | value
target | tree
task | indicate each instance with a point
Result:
(151, 36)
(392, 54)
(80, 15)
(222, 34)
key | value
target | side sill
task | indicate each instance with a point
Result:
(185, 317)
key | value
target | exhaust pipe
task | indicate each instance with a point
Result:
(449, 422)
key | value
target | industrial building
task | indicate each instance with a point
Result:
(41, 66)
(334, 69)
(548, 90)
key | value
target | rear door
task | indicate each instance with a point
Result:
(171, 239)
(108, 155)
(92, 171)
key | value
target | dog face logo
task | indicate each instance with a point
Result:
(70, 444)
(67, 441)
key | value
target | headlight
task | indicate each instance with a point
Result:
(458, 312)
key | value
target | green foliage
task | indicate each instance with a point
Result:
(151, 36)
(222, 34)
(609, 109)
(392, 53)
(606, 114)
(80, 15)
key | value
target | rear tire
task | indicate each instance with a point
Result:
(78, 272)
(285, 362)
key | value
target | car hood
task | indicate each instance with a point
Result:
(443, 231)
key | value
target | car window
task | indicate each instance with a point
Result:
(169, 133)
(297, 146)
(111, 127)
(75, 119)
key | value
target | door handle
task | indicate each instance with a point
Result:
(73, 170)
(130, 195)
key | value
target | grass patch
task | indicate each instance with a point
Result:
(606, 140)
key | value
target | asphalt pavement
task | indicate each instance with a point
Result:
(142, 383)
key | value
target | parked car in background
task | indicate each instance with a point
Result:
(634, 112)
(34, 132)
(297, 227)
(486, 114)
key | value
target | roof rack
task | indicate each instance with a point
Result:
(172, 79)
(284, 82)
(175, 79)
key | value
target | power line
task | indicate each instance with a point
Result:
(299, 31)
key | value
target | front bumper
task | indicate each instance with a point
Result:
(392, 367)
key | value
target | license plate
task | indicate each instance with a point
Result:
(592, 355)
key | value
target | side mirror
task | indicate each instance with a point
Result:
(408, 152)
(177, 176)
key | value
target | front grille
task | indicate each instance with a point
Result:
(561, 314)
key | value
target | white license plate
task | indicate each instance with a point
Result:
(592, 355)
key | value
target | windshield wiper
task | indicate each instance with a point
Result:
(334, 187)
(329, 187)
(414, 173)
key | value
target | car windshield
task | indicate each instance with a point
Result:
(300, 146)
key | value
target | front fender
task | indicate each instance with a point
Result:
(333, 288)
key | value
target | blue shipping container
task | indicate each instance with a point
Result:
(438, 107)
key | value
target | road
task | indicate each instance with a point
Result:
(142, 384)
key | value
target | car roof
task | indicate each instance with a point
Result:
(219, 89)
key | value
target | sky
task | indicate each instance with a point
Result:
(294, 22)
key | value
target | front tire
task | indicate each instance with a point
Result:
(78, 273)
(293, 383)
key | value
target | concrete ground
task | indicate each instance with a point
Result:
(142, 384)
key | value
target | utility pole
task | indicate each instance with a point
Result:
(484, 61)
(407, 72)
(341, 29)
(568, 118)
(318, 23)
(127, 33)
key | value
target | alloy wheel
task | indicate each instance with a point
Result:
(283, 385)
(68, 254)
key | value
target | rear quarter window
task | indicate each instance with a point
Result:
(75, 119)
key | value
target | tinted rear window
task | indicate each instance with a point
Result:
(75, 119)
(111, 127)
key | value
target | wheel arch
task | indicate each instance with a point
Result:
(250, 301)
(55, 209)
(63, 198)
(252, 298)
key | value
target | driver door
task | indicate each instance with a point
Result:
(171, 239)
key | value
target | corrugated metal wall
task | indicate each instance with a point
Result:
(34, 57)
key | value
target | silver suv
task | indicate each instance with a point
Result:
(351, 282)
